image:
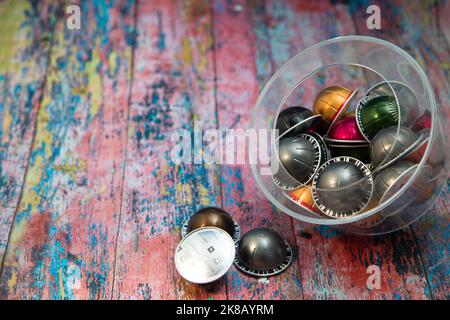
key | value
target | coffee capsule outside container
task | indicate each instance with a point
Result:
(205, 255)
(407, 100)
(391, 144)
(212, 217)
(342, 187)
(262, 252)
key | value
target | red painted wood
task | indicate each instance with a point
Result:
(24, 46)
(63, 239)
(173, 86)
(238, 41)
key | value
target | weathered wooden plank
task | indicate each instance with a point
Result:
(64, 235)
(173, 87)
(333, 264)
(442, 14)
(422, 27)
(243, 57)
(24, 45)
(417, 32)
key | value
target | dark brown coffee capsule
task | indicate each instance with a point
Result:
(212, 217)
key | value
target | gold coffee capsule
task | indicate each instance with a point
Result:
(333, 102)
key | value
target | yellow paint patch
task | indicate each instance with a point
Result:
(12, 282)
(12, 38)
(7, 120)
(186, 55)
(112, 61)
(61, 284)
(94, 84)
(204, 195)
(70, 168)
(103, 188)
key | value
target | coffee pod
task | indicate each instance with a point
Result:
(345, 139)
(333, 102)
(262, 252)
(359, 151)
(212, 217)
(299, 157)
(391, 144)
(392, 178)
(418, 152)
(345, 131)
(374, 113)
(303, 197)
(342, 187)
(324, 151)
(284, 180)
(423, 122)
(205, 255)
(295, 120)
(406, 98)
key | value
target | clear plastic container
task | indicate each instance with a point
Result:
(355, 62)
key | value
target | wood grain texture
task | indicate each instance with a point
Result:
(417, 30)
(173, 87)
(88, 184)
(423, 27)
(239, 34)
(63, 239)
(26, 31)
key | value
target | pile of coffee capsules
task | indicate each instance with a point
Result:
(211, 242)
(338, 163)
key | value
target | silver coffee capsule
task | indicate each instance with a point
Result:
(205, 255)
(392, 177)
(212, 217)
(262, 252)
(300, 157)
(391, 144)
(405, 96)
(342, 187)
(284, 180)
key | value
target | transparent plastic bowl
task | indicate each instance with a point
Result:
(355, 62)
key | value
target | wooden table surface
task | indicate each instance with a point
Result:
(87, 209)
